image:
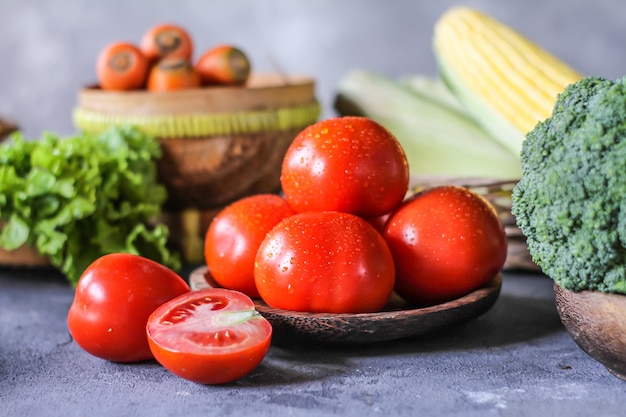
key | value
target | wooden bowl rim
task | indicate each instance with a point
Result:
(399, 321)
(588, 294)
(263, 92)
(257, 82)
(391, 310)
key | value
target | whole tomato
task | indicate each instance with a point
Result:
(234, 237)
(166, 40)
(324, 262)
(211, 336)
(172, 73)
(121, 66)
(223, 65)
(113, 300)
(446, 242)
(349, 164)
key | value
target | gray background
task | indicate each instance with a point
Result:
(48, 48)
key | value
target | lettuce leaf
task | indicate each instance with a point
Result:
(75, 199)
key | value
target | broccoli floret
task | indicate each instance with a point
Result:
(570, 202)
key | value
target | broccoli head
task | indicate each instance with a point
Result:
(570, 202)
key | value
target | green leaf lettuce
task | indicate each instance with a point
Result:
(75, 199)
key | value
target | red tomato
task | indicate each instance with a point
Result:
(114, 298)
(166, 40)
(378, 222)
(348, 164)
(446, 242)
(211, 336)
(172, 74)
(324, 262)
(234, 237)
(121, 66)
(223, 65)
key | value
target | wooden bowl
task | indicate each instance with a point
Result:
(24, 256)
(6, 128)
(597, 323)
(397, 320)
(219, 143)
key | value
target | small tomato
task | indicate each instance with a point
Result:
(166, 40)
(223, 65)
(172, 74)
(121, 66)
(234, 237)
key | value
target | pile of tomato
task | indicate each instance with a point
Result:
(344, 235)
(163, 61)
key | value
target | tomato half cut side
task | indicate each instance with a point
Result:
(212, 336)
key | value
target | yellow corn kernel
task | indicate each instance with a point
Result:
(511, 74)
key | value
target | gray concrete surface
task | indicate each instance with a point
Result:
(515, 360)
(48, 48)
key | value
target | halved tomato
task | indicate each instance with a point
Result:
(212, 336)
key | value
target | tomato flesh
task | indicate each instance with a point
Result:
(211, 336)
(446, 242)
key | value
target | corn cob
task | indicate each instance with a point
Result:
(508, 82)
(438, 136)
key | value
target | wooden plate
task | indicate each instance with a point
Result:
(397, 320)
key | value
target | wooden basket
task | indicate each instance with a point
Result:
(498, 193)
(219, 143)
(6, 128)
